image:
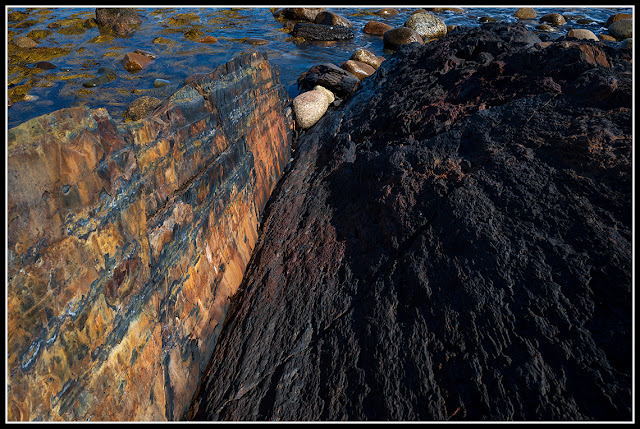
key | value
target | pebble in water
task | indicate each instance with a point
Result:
(24, 42)
(159, 83)
(105, 74)
(207, 39)
(45, 65)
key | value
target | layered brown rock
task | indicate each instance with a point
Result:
(124, 243)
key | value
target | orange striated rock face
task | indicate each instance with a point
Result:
(125, 243)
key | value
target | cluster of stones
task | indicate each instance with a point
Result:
(619, 26)
(421, 26)
(328, 81)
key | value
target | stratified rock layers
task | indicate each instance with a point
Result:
(453, 243)
(125, 243)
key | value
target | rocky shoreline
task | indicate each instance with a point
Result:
(450, 240)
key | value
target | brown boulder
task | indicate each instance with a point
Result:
(525, 13)
(617, 17)
(400, 36)
(376, 28)
(207, 39)
(299, 13)
(330, 18)
(554, 19)
(358, 69)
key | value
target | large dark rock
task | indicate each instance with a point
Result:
(322, 32)
(453, 243)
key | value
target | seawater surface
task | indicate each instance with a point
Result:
(78, 52)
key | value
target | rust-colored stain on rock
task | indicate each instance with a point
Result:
(125, 243)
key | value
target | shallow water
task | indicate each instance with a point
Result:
(49, 90)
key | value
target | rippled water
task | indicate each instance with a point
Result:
(49, 90)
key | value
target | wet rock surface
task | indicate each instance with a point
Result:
(125, 243)
(452, 243)
(322, 32)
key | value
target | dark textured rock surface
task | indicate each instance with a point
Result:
(453, 243)
(322, 32)
(125, 243)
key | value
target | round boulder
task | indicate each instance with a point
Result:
(525, 13)
(364, 56)
(554, 19)
(330, 18)
(579, 33)
(376, 28)
(617, 17)
(400, 36)
(621, 29)
(309, 107)
(426, 25)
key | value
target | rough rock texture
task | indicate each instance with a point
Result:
(454, 242)
(124, 244)
(322, 32)
(141, 107)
